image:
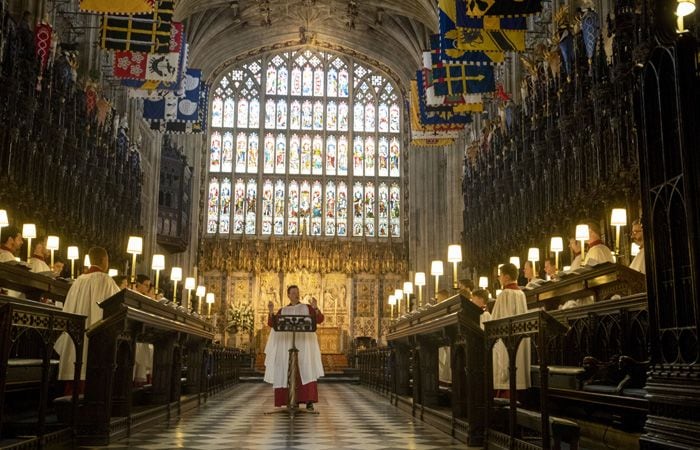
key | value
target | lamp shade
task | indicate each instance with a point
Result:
(483, 282)
(135, 245)
(4, 221)
(86, 261)
(52, 242)
(567, 268)
(29, 230)
(112, 272)
(189, 283)
(685, 7)
(454, 253)
(201, 291)
(515, 260)
(158, 262)
(407, 287)
(533, 254)
(634, 251)
(73, 253)
(618, 217)
(419, 279)
(176, 274)
(210, 298)
(392, 300)
(398, 293)
(582, 232)
(556, 244)
(436, 268)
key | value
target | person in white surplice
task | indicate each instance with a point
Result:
(277, 353)
(83, 298)
(510, 302)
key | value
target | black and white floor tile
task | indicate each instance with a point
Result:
(350, 417)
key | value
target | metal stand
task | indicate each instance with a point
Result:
(303, 324)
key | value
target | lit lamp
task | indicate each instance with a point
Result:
(484, 282)
(582, 235)
(158, 264)
(618, 218)
(634, 251)
(86, 262)
(454, 255)
(29, 233)
(73, 254)
(408, 290)
(398, 295)
(210, 301)
(51, 244)
(135, 247)
(112, 272)
(685, 7)
(4, 221)
(515, 260)
(175, 276)
(533, 255)
(556, 245)
(189, 285)
(200, 293)
(436, 270)
(392, 302)
(419, 281)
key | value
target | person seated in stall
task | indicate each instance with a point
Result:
(480, 298)
(532, 279)
(143, 284)
(37, 263)
(466, 286)
(83, 298)
(58, 267)
(550, 269)
(637, 235)
(575, 247)
(510, 302)
(598, 252)
(10, 243)
(122, 281)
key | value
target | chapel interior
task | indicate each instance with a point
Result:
(390, 158)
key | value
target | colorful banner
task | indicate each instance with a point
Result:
(440, 115)
(153, 67)
(117, 6)
(187, 127)
(501, 8)
(42, 44)
(445, 45)
(149, 33)
(460, 103)
(454, 79)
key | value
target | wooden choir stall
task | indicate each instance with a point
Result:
(178, 339)
(415, 340)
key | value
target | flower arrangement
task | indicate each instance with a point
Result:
(240, 319)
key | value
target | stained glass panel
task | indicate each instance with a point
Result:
(269, 154)
(281, 114)
(213, 205)
(358, 157)
(359, 117)
(295, 116)
(332, 86)
(305, 155)
(267, 207)
(331, 155)
(342, 156)
(238, 207)
(215, 152)
(318, 116)
(318, 82)
(369, 117)
(369, 209)
(342, 209)
(229, 109)
(280, 156)
(395, 210)
(227, 156)
(306, 115)
(383, 207)
(316, 208)
(317, 155)
(343, 116)
(383, 157)
(370, 156)
(358, 209)
(343, 83)
(330, 209)
(331, 116)
(383, 118)
(307, 82)
(394, 118)
(254, 119)
(271, 85)
(296, 81)
(217, 108)
(242, 115)
(282, 81)
(305, 204)
(293, 209)
(279, 208)
(270, 114)
(294, 147)
(241, 152)
(394, 154)
(225, 206)
(253, 153)
(250, 209)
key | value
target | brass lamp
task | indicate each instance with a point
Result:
(175, 276)
(618, 218)
(419, 281)
(582, 234)
(210, 301)
(408, 290)
(398, 294)
(515, 260)
(29, 233)
(189, 286)
(52, 244)
(200, 293)
(135, 247)
(454, 255)
(436, 269)
(556, 245)
(392, 302)
(73, 254)
(158, 264)
(533, 255)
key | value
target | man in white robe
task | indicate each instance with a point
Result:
(480, 298)
(575, 248)
(37, 263)
(310, 367)
(11, 241)
(598, 252)
(510, 302)
(638, 263)
(83, 298)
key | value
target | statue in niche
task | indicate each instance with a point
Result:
(329, 300)
(342, 298)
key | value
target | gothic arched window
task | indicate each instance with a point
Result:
(292, 136)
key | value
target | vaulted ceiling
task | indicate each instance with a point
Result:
(391, 32)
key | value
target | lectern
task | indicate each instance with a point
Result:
(294, 324)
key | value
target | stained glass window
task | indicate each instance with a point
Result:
(329, 130)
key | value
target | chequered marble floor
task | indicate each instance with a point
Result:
(350, 417)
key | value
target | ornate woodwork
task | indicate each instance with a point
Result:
(20, 320)
(668, 98)
(33, 285)
(174, 198)
(62, 167)
(453, 322)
